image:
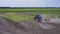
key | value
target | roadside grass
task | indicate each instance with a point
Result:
(17, 17)
(27, 16)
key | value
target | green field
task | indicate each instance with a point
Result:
(28, 13)
(41, 10)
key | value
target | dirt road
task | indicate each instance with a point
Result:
(8, 26)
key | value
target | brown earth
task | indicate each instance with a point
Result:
(8, 26)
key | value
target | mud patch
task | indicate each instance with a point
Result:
(46, 26)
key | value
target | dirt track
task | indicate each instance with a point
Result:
(8, 26)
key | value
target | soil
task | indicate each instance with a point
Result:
(8, 26)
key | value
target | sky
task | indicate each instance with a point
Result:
(29, 3)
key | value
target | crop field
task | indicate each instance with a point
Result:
(41, 10)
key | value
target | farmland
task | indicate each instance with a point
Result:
(28, 13)
(41, 10)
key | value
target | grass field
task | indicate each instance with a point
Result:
(44, 10)
(28, 13)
